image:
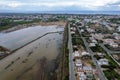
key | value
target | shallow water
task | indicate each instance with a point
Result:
(24, 58)
(15, 39)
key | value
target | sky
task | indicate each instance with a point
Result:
(58, 5)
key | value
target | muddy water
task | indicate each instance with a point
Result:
(17, 63)
(18, 38)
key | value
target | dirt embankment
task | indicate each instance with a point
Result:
(14, 28)
(3, 49)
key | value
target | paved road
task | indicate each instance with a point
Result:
(110, 51)
(100, 72)
(71, 63)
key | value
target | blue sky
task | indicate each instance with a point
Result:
(58, 5)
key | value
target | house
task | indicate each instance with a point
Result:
(90, 30)
(87, 69)
(114, 45)
(81, 76)
(73, 29)
(108, 41)
(72, 32)
(93, 40)
(92, 44)
(118, 29)
(98, 36)
(100, 54)
(79, 69)
(76, 54)
(85, 53)
(82, 30)
(103, 62)
(117, 37)
(80, 26)
(78, 63)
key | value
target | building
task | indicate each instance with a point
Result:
(81, 76)
(118, 29)
(93, 40)
(78, 63)
(92, 44)
(100, 54)
(108, 41)
(72, 32)
(88, 69)
(114, 45)
(84, 53)
(76, 54)
(103, 62)
(90, 30)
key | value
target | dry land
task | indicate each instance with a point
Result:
(14, 28)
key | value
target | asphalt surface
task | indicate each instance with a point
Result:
(71, 63)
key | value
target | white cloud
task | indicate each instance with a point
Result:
(15, 4)
(85, 4)
(90, 4)
(11, 4)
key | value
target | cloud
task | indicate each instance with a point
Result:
(59, 4)
(11, 4)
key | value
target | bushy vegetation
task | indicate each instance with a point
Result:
(78, 41)
(97, 48)
(8, 23)
(111, 75)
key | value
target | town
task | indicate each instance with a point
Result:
(94, 47)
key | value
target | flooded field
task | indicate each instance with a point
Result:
(35, 61)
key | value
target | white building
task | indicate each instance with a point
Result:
(100, 54)
(84, 53)
(118, 29)
(82, 30)
(90, 30)
(76, 54)
(103, 62)
(92, 44)
(108, 41)
(78, 63)
(87, 69)
(72, 32)
(81, 76)
(114, 45)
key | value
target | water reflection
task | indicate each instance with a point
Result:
(18, 38)
(15, 65)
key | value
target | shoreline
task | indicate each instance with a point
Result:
(45, 24)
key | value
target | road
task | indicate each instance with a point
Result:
(71, 63)
(100, 72)
(110, 51)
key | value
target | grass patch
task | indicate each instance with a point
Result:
(111, 75)
(78, 41)
(97, 48)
